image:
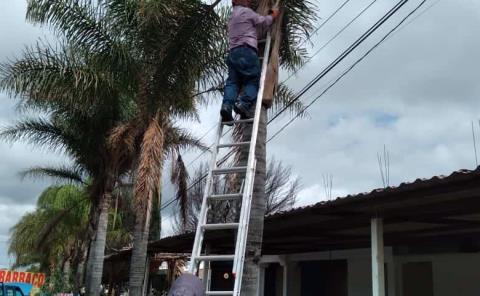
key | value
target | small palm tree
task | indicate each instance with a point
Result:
(83, 83)
(54, 234)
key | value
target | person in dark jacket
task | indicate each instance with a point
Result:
(187, 285)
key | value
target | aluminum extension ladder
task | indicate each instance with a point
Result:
(249, 172)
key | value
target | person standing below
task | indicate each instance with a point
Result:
(187, 285)
(242, 61)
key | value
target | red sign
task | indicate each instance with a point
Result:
(35, 279)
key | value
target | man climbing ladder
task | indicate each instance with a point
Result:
(242, 61)
(245, 74)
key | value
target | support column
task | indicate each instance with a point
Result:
(378, 261)
(261, 279)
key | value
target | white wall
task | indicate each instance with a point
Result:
(359, 269)
(453, 274)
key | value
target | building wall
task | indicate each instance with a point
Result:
(453, 274)
(359, 269)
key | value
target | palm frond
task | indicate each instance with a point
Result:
(149, 166)
(171, 54)
(285, 97)
(39, 132)
(299, 17)
(180, 139)
(179, 178)
(61, 76)
(122, 140)
(69, 174)
(78, 20)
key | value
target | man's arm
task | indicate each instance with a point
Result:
(262, 20)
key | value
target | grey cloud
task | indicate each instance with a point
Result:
(417, 94)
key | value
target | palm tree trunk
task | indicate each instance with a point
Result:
(149, 171)
(97, 249)
(253, 252)
(139, 252)
(257, 214)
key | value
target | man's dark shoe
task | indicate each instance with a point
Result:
(226, 113)
(245, 112)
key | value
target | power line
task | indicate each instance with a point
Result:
(341, 57)
(326, 21)
(349, 69)
(330, 40)
(415, 18)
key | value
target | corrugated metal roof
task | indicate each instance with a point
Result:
(460, 176)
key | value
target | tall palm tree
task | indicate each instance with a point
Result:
(179, 57)
(288, 34)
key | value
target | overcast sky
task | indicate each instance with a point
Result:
(417, 94)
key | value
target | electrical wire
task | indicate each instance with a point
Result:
(342, 56)
(330, 40)
(348, 70)
(325, 22)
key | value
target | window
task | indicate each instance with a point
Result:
(324, 278)
(417, 279)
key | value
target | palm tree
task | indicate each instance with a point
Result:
(177, 62)
(84, 104)
(53, 236)
(288, 33)
(179, 57)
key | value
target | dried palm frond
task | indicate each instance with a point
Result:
(179, 178)
(149, 165)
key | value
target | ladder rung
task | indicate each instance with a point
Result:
(238, 121)
(233, 144)
(216, 258)
(239, 169)
(219, 226)
(219, 293)
(229, 196)
(262, 40)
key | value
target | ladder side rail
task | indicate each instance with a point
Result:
(241, 245)
(243, 230)
(197, 245)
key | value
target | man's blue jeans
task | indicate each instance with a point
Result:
(243, 71)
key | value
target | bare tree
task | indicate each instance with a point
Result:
(281, 192)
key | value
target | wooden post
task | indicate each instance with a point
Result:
(378, 261)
